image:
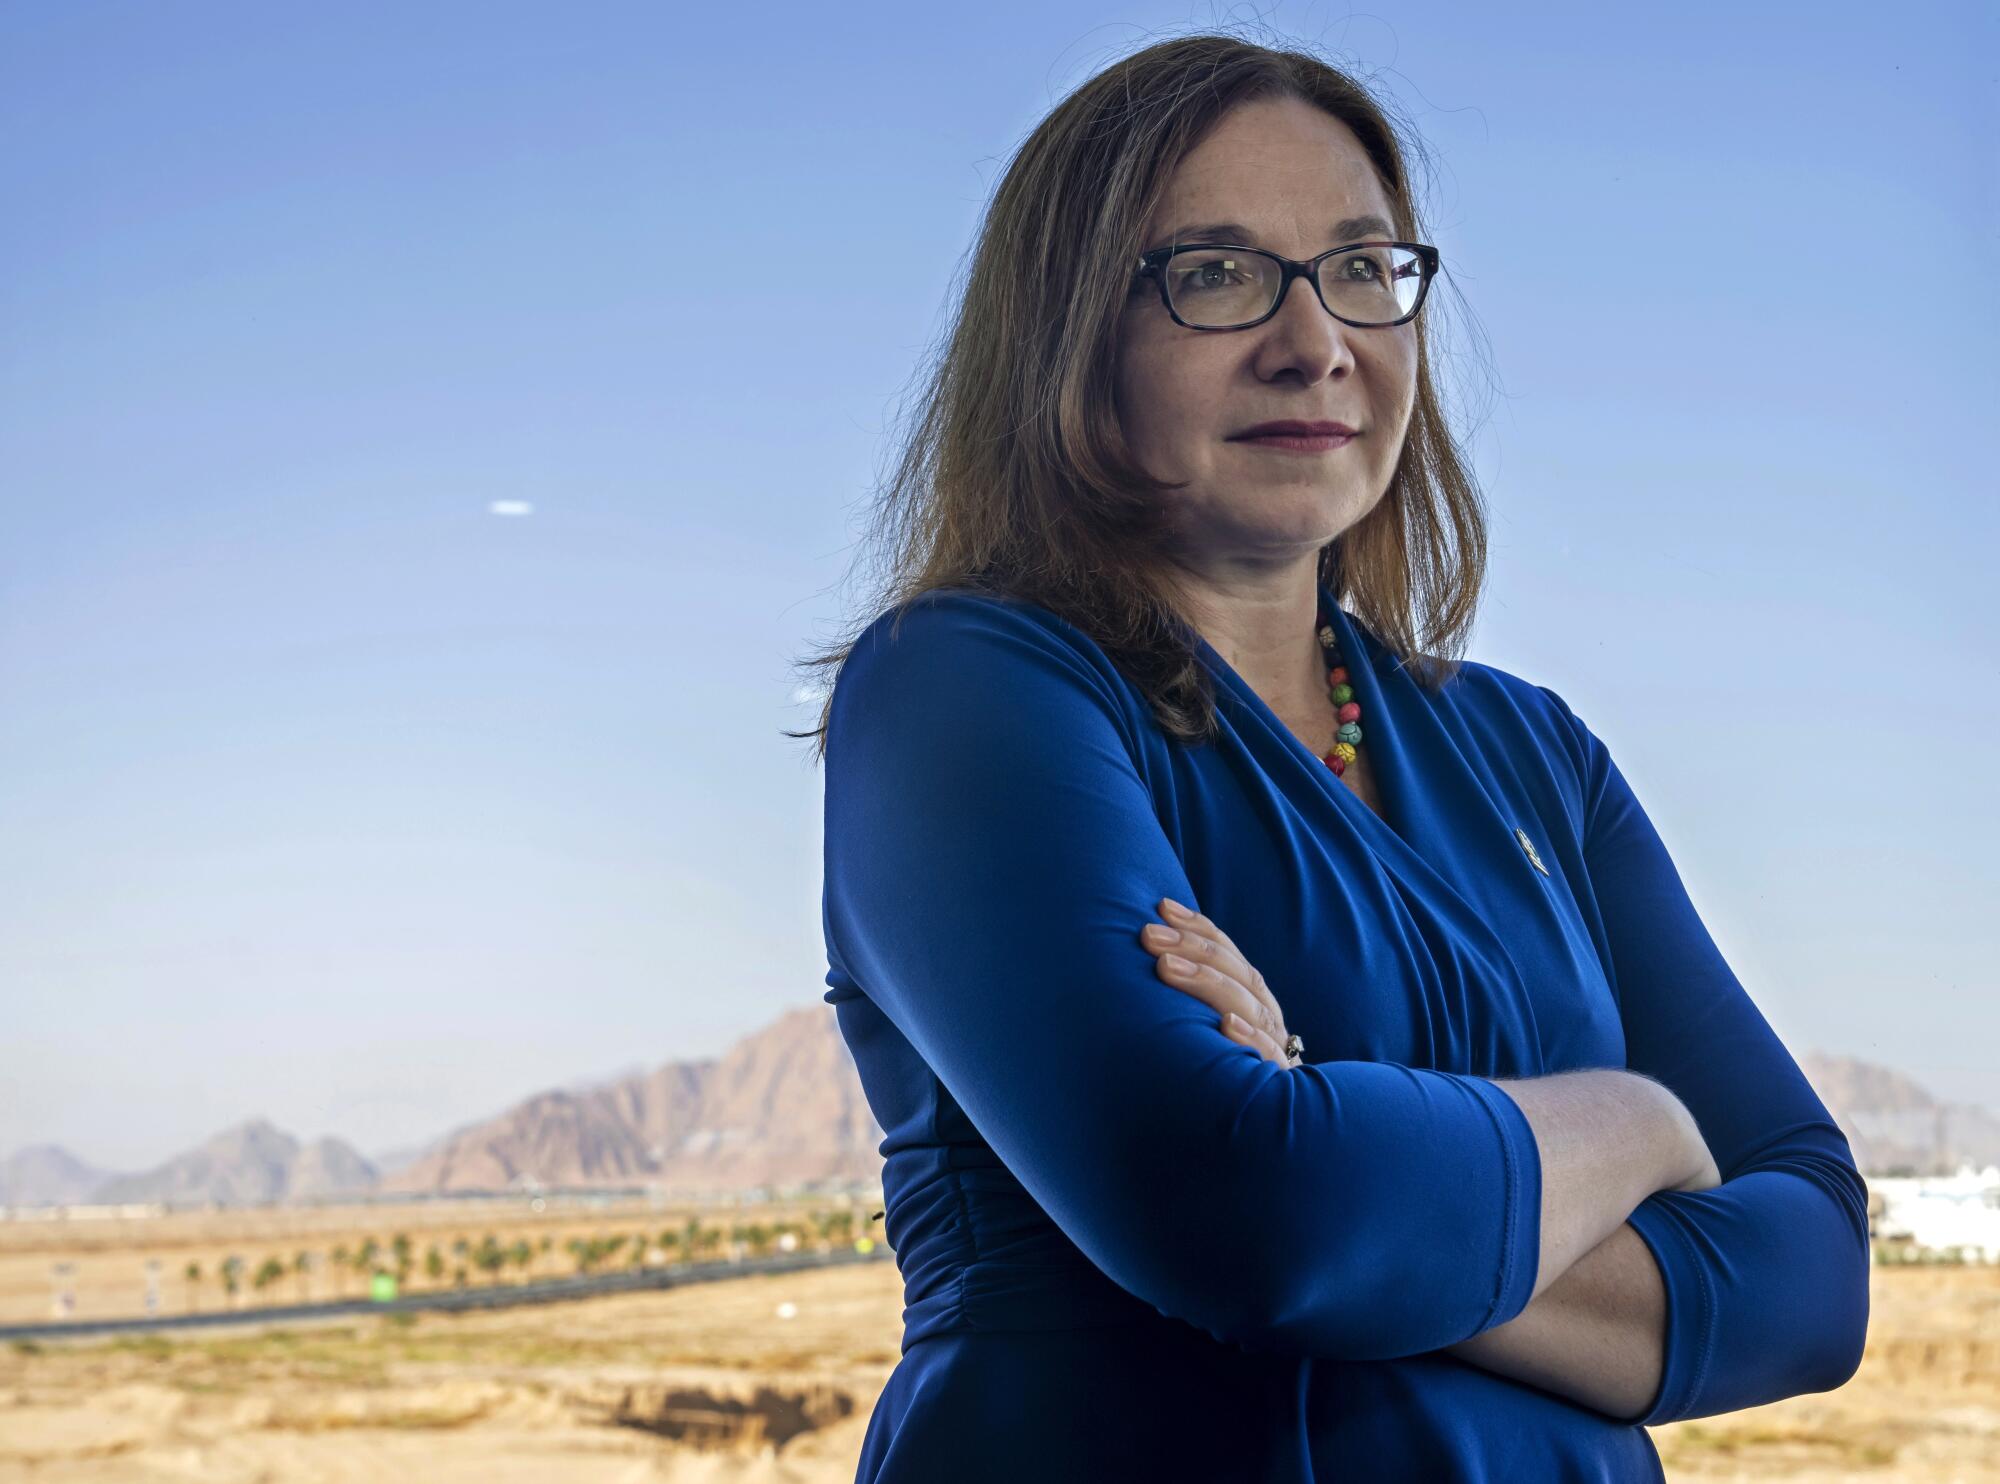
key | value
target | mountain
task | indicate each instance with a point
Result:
(253, 1163)
(327, 1169)
(1893, 1125)
(783, 1105)
(388, 1161)
(47, 1175)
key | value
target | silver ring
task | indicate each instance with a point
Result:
(1294, 1047)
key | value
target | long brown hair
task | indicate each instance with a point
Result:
(1016, 479)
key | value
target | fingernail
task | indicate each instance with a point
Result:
(1176, 911)
(1176, 964)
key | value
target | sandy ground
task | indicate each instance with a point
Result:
(715, 1382)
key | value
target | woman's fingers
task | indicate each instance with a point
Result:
(1229, 959)
(1249, 1035)
(1209, 985)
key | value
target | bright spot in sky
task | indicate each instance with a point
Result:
(788, 1310)
(511, 507)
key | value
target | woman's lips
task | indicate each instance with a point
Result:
(1297, 444)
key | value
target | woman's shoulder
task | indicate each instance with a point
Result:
(950, 641)
(970, 609)
(1528, 710)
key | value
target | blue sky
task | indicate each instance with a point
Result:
(329, 794)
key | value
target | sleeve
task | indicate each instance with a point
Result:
(992, 853)
(1767, 1274)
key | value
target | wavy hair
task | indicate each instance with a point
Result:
(1015, 478)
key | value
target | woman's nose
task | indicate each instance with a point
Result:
(1308, 327)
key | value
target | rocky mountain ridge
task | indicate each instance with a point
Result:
(782, 1107)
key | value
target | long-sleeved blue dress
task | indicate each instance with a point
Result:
(1133, 1248)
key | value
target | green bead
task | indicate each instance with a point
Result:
(1350, 731)
(1342, 694)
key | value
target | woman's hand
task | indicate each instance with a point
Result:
(1219, 977)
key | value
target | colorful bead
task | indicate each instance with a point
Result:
(1342, 695)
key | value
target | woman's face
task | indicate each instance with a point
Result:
(1289, 173)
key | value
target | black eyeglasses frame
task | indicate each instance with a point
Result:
(1151, 263)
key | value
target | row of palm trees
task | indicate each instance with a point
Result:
(492, 1258)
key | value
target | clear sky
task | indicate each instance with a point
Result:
(332, 792)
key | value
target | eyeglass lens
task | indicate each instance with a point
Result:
(1222, 286)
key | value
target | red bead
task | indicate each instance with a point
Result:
(1336, 764)
(1350, 712)
(1337, 675)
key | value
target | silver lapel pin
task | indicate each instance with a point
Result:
(1529, 846)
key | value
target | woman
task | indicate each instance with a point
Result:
(1544, 1175)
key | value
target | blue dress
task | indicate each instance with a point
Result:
(1132, 1248)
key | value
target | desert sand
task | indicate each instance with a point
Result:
(723, 1381)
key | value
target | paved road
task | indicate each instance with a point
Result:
(499, 1296)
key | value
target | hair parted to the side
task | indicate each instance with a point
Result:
(1016, 479)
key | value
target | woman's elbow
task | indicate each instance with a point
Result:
(1847, 1340)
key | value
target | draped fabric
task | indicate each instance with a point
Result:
(1131, 1247)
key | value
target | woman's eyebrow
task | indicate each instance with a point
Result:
(1347, 229)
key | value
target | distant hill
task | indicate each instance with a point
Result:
(47, 1175)
(782, 1106)
(1893, 1125)
(254, 1163)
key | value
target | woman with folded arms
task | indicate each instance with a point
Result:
(1298, 1055)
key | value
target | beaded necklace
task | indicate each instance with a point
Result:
(1342, 695)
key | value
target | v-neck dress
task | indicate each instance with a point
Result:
(1133, 1248)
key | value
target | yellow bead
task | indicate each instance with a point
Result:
(1344, 751)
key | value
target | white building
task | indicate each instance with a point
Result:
(1941, 1211)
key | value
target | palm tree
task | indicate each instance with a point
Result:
(302, 1264)
(340, 1260)
(434, 1264)
(192, 1272)
(489, 1257)
(269, 1271)
(232, 1275)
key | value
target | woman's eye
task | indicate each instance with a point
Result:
(1210, 276)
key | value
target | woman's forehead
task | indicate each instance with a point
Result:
(1298, 177)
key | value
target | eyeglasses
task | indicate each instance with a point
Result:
(1221, 286)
